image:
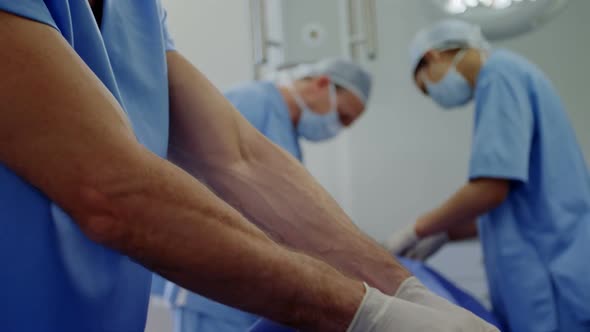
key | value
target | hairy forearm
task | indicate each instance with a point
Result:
(170, 223)
(213, 142)
(472, 200)
(273, 191)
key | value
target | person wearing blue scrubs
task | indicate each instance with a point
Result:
(54, 277)
(107, 138)
(316, 104)
(528, 181)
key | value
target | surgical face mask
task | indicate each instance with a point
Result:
(318, 127)
(452, 90)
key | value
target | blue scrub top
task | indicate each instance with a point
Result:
(263, 105)
(54, 278)
(536, 243)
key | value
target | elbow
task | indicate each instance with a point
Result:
(497, 199)
(108, 202)
(100, 218)
(498, 193)
(495, 191)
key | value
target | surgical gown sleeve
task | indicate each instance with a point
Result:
(35, 10)
(503, 129)
(256, 113)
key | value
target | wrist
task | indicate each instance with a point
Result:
(369, 310)
(419, 228)
(339, 312)
(381, 270)
(423, 225)
(325, 300)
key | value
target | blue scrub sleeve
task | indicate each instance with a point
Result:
(31, 9)
(255, 114)
(503, 130)
(168, 40)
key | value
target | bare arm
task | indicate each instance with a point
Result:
(61, 130)
(215, 143)
(464, 231)
(472, 200)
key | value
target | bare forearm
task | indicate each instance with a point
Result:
(462, 232)
(178, 228)
(210, 140)
(472, 200)
(281, 198)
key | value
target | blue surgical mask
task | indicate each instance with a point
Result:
(452, 90)
(318, 127)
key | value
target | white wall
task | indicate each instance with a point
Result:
(215, 36)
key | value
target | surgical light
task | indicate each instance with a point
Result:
(499, 19)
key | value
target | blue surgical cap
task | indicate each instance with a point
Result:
(344, 73)
(446, 34)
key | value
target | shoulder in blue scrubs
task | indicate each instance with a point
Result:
(262, 104)
(537, 242)
(54, 278)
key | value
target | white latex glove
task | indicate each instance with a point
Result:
(412, 290)
(426, 247)
(382, 313)
(401, 241)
